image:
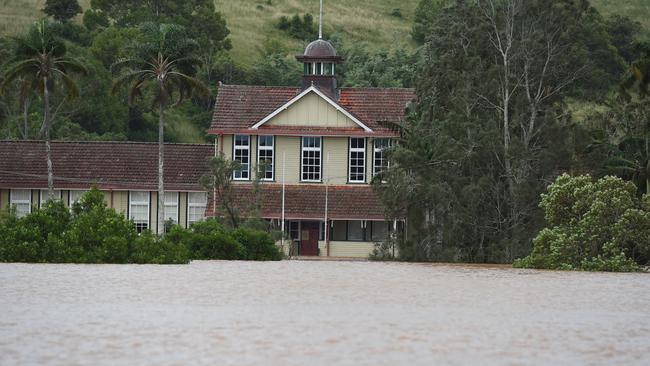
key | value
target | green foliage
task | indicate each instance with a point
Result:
(208, 240)
(425, 15)
(88, 233)
(300, 28)
(62, 10)
(594, 226)
(258, 245)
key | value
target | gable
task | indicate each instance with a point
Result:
(312, 111)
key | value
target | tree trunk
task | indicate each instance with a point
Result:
(26, 104)
(161, 180)
(48, 148)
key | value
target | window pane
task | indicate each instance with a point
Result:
(311, 159)
(357, 163)
(21, 200)
(241, 153)
(171, 206)
(197, 203)
(339, 231)
(75, 196)
(379, 231)
(139, 209)
(44, 193)
(355, 231)
(265, 156)
(380, 162)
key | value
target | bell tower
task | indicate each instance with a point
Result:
(319, 61)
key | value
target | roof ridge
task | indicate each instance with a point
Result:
(258, 86)
(106, 142)
(376, 88)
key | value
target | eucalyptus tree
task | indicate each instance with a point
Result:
(161, 67)
(40, 62)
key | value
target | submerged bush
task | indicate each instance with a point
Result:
(89, 233)
(93, 233)
(593, 226)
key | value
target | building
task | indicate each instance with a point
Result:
(320, 147)
(126, 172)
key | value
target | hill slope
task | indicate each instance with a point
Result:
(252, 21)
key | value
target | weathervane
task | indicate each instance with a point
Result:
(320, 24)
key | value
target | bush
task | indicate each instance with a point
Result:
(91, 233)
(94, 233)
(593, 226)
(258, 245)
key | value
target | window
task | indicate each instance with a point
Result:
(311, 159)
(242, 154)
(294, 230)
(356, 230)
(21, 200)
(57, 196)
(308, 68)
(197, 203)
(171, 206)
(139, 210)
(380, 230)
(265, 156)
(329, 69)
(319, 68)
(380, 162)
(339, 230)
(357, 173)
(75, 196)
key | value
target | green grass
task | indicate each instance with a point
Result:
(252, 21)
(370, 21)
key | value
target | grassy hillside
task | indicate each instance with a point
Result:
(638, 10)
(252, 21)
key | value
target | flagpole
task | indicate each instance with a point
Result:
(283, 196)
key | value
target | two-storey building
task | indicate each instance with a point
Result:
(320, 147)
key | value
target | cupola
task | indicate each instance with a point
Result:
(319, 61)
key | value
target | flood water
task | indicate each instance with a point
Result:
(319, 313)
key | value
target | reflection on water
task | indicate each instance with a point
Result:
(319, 313)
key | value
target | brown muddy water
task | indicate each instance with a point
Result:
(320, 313)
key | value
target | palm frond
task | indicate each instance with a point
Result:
(69, 84)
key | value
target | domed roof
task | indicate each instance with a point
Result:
(320, 48)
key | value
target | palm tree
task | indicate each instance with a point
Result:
(40, 63)
(164, 64)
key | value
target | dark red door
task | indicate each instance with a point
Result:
(309, 238)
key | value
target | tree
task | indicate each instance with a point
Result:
(41, 61)
(164, 64)
(490, 127)
(600, 225)
(219, 183)
(62, 10)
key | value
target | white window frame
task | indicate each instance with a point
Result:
(171, 206)
(381, 150)
(192, 203)
(140, 199)
(14, 202)
(247, 150)
(43, 196)
(357, 150)
(304, 150)
(266, 149)
(72, 200)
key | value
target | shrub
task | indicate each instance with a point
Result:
(258, 245)
(594, 226)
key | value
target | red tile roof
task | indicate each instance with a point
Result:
(308, 202)
(109, 165)
(239, 107)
